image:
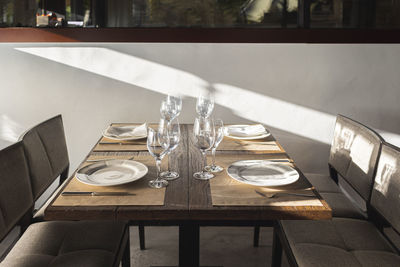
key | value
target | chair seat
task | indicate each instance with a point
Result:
(55, 243)
(322, 182)
(341, 205)
(339, 242)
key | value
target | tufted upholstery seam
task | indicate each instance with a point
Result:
(47, 153)
(78, 250)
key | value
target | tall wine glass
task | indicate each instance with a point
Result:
(157, 144)
(174, 134)
(205, 104)
(171, 107)
(203, 134)
(219, 135)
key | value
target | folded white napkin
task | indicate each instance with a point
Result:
(127, 131)
(246, 130)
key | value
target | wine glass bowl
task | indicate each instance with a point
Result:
(171, 107)
(204, 105)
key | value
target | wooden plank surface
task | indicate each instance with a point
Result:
(187, 198)
(201, 207)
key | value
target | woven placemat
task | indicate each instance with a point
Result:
(225, 191)
(265, 145)
(144, 194)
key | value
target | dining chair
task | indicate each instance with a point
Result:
(347, 241)
(47, 154)
(352, 164)
(55, 243)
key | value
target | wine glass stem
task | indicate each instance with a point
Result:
(158, 165)
(204, 152)
(213, 156)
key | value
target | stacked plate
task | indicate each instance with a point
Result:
(262, 173)
(246, 132)
(126, 132)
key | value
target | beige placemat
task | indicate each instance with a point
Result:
(144, 194)
(106, 144)
(226, 191)
(256, 146)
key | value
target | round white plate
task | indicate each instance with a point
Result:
(251, 137)
(122, 129)
(111, 172)
(262, 173)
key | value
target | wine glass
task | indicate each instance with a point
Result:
(157, 144)
(205, 105)
(219, 135)
(174, 134)
(171, 107)
(203, 134)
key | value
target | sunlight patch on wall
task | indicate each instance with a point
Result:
(163, 79)
(9, 130)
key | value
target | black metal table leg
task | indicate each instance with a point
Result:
(276, 248)
(189, 247)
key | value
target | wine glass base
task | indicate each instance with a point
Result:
(214, 168)
(160, 183)
(203, 175)
(169, 176)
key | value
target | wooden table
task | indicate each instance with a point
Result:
(188, 202)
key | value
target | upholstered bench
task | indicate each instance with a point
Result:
(346, 241)
(353, 157)
(83, 243)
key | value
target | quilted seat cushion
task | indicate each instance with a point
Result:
(339, 242)
(83, 243)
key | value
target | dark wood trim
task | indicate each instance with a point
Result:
(198, 35)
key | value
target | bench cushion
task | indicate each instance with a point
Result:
(339, 242)
(83, 243)
(340, 204)
(322, 182)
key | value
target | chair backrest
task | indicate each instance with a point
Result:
(385, 197)
(354, 153)
(46, 153)
(15, 188)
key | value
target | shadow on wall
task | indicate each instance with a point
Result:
(292, 120)
(163, 79)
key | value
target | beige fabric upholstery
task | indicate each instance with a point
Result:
(322, 183)
(386, 192)
(84, 243)
(339, 242)
(341, 205)
(15, 189)
(46, 153)
(354, 153)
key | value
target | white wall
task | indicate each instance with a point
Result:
(297, 88)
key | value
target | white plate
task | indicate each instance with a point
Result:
(250, 137)
(262, 173)
(123, 130)
(111, 172)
